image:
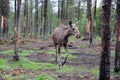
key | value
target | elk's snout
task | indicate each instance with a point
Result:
(78, 36)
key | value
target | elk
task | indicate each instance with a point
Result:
(60, 38)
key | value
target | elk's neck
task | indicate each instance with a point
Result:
(67, 35)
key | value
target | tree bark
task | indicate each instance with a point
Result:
(63, 11)
(106, 37)
(15, 8)
(66, 12)
(25, 17)
(4, 18)
(45, 18)
(42, 22)
(31, 24)
(17, 28)
(36, 17)
(59, 11)
(51, 27)
(117, 48)
(79, 4)
(94, 24)
(89, 21)
(1, 29)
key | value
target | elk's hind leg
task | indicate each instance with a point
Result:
(65, 46)
(59, 57)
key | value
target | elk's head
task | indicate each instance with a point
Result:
(74, 30)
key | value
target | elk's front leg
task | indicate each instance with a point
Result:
(56, 48)
(66, 55)
(59, 57)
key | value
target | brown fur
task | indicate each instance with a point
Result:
(60, 38)
(61, 34)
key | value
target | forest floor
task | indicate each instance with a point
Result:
(37, 60)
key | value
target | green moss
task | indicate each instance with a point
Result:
(44, 66)
(95, 71)
(11, 51)
(21, 52)
(82, 46)
(21, 77)
(66, 68)
(45, 76)
(98, 38)
(3, 65)
(2, 62)
(27, 64)
(25, 52)
(81, 69)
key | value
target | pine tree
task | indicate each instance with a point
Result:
(106, 36)
(117, 48)
(45, 18)
(17, 27)
(36, 17)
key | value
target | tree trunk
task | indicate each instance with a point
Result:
(62, 11)
(59, 10)
(0, 22)
(15, 8)
(31, 24)
(117, 48)
(51, 27)
(36, 17)
(25, 17)
(1, 29)
(71, 11)
(42, 12)
(66, 12)
(106, 37)
(94, 25)
(4, 18)
(79, 4)
(45, 18)
(17, 26)
(89, 21)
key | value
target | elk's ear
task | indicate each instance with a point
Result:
(70, 23)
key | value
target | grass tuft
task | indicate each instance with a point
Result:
(45, 76)
(20, 77)
(3, 65)
(95, 71)
(82, 46)
(98, 38)
(66, 68)
(27, 64)
(21, 52)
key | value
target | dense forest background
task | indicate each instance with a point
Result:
(32, 15)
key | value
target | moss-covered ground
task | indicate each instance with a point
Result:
(37, 61)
